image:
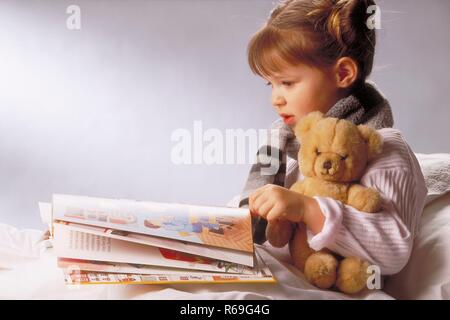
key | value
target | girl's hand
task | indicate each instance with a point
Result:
(273, 202)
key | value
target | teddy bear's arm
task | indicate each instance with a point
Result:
(299, 187)
(364, 199)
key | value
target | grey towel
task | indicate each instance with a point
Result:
(367, 105)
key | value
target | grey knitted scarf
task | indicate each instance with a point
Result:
(366, 105)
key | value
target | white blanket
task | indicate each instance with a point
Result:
(38, 278)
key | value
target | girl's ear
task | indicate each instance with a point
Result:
(346, 72)
(306, 123)
(373, 139)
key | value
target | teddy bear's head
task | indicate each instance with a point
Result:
(334, 149)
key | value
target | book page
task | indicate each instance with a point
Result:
(116, 267)
(89, 272)
(88, 277)
(73, 244)
(240, 257)
(215, 226)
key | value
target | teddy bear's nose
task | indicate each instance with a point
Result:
(327, 164)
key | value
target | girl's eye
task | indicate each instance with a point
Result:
(318, 152)
(344, 157)
(287, 83)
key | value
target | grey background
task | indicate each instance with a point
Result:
(92, 111)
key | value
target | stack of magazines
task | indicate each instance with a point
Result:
(112, 241)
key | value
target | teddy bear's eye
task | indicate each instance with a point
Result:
(317, 152)
(344, 157)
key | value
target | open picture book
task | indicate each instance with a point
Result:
(99, 240)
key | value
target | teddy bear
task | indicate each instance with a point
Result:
(333, 156)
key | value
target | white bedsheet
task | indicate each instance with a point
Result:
(37, 277)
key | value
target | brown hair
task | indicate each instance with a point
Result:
(315, 32)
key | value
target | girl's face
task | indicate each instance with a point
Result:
(299, 90)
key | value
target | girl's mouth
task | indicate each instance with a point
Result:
(288, 119)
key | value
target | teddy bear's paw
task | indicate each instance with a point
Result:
(373, 201)
(299, 187)
(320, 269)
(279, 233)
(352, 275)
(364, 199)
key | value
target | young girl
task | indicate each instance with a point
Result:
(316, 55)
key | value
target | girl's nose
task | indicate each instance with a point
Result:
(277, 100)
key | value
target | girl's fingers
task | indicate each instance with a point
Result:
(265, 209)
(275, 213)
(254, 196)
(258, 202)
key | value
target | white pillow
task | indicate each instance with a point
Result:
(436, 171)
(427, 274)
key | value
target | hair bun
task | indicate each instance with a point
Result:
(342, 19)
(339, 13)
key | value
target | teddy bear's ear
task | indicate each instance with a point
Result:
(373, 139)
(307, 122)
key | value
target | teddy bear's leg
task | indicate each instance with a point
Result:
(320, 269)
(352, 275)
(299, 247)
(364, 199)
(279, 233)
